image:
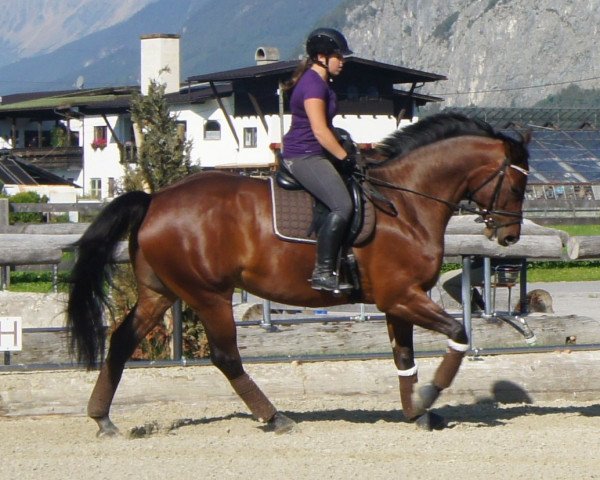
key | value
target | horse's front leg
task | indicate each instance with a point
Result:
(425, 313)
(401, 338)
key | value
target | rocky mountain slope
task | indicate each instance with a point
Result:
(34, 27)
(494, 52)
(215, 35)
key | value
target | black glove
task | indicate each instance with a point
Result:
(347, 165)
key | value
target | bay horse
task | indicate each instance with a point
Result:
(212, 232)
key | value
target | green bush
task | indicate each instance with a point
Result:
(26, 197)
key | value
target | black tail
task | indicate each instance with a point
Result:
(93, 269)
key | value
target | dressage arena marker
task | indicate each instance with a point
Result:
(11, 334)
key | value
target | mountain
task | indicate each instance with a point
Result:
(499, 53)
(34, 27)
(215, 35)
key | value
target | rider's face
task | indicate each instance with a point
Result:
(335, 64)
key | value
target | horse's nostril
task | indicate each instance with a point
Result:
(511, 239)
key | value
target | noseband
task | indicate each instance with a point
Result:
(486, 213)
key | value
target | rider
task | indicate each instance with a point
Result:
(313, 104)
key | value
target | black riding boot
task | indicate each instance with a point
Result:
(329, 240)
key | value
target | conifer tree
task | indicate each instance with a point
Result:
(163, 154)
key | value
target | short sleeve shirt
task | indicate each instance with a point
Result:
(300, 139)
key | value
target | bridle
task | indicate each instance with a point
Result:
(486, 214)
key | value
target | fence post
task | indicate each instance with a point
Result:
(266, 316)
(4, 212)
(466, 296)
(177, 330)
(4, 277)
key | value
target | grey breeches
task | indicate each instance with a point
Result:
(319, 177)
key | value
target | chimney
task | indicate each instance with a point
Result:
(160, 61)
(266, 55)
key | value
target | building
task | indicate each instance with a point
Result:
(234, 119)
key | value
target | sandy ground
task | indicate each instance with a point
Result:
(348, 424)
(345, 438)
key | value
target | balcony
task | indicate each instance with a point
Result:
(52, 158)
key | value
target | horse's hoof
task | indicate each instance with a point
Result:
(427, 395)
(107, 429)
(430, 421)
(280, 424)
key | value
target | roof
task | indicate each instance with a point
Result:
(558, 118)
(565, 145)
(387, 72)
(84, 101)
(15, 171)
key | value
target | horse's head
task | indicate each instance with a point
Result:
(500, 194)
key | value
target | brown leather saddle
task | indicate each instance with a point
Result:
(296, 212)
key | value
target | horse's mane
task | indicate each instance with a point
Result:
(432, 129)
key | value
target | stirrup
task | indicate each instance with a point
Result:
(329, 282)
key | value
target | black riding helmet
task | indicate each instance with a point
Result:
(326, 41)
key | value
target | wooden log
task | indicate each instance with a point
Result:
(467, 225)
(529, 246)
(87, 208)
(350, 337)
(584, 247)
(45, 228)
(37, 242)
(25, 256)
(25, 249)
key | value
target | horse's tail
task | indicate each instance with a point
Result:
(93, 269)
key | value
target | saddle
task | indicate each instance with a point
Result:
(297, 217)
(297, 214)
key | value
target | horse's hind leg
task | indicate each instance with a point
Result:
(217, 317)
(148, 311)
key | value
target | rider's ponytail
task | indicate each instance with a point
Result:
(300, 70)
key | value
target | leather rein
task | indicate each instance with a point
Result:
(484, 213)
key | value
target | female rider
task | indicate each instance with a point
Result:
(313, 104)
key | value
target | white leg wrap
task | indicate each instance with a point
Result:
(459, 347)
(408, 373)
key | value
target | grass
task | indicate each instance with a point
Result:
(36, 282)
(578, 230)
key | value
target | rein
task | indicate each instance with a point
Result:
(484, 213)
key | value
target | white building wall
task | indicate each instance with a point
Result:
(225, 152)
(103, 164)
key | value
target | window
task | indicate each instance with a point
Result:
(250, 137)
(100, 138)
(100, 133)
(212, 130)
(181, 130)
(111, 187)
(96, 187)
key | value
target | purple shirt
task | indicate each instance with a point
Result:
(300, 139)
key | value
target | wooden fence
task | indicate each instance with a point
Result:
(46, 244)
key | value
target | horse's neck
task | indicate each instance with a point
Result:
(432, 181)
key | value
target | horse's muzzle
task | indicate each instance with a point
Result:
(503, 235)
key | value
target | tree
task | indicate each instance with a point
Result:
(163, 152)
(163, 157)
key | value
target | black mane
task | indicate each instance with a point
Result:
(432, 129)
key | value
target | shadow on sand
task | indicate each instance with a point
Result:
(506, 402)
